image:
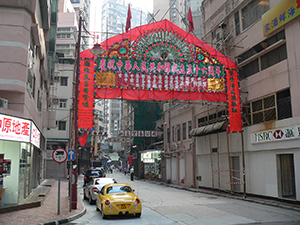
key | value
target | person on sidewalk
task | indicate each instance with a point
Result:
(131, 173)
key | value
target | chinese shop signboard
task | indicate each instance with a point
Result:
(35, 136)
(14, 129)
(279, 15)
(17, 129)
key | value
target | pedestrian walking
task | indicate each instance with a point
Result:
(131, 173)
(125, 170)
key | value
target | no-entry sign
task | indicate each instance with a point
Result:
(60, 155)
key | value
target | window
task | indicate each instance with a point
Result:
(275, 56)
(214, 150)
(62, 125)
(189, 128)
(173, 133)
(64, 81)
(63, 28)
(63, 103)
(60, 46)
(202, 121)
(63, 36)
(273, 107)
(237, 23)
(284, 107)
(249, 69)
(183, 131)
(253, 11)
(261, 46)
(268, 59)
(178, 133)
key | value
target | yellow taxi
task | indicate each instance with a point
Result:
(118, 199)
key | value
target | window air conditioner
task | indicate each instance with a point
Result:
(3, 103)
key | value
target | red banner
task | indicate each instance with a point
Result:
(122, 72)
(234, 101)
(85, 95)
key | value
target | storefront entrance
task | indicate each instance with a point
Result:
(287, 176)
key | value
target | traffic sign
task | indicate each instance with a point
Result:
(71, 154)
(60, 155)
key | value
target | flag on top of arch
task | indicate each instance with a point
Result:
(158, 61)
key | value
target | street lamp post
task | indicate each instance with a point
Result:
(73, 191)
(76, 89)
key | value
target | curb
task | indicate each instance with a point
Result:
(69, 219)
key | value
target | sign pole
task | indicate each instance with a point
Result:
(71, 175)
(59, 155)
(58, 204)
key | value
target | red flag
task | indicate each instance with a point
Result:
(128, 19)
(190, 19)
(82, 139)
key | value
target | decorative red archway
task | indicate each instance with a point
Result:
(158, 61)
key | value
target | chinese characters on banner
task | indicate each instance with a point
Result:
(86, 94)
(234, 102)
(280, 14)
(150, 66)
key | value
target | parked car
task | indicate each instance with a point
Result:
(118, 199)
(91, 190)
(92, 174)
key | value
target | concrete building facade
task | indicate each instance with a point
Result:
(263, 160)
(269, 71)
(26, 39)
(62, 87)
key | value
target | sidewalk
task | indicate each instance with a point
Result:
(47, 213)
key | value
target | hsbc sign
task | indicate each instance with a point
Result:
(276, 135)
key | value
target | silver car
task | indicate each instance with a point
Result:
(90, 190)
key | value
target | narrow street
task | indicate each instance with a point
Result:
(166, 205)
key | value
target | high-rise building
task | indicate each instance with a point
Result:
(113, 22)
(114, 15)
(177, 12)
(83, 7)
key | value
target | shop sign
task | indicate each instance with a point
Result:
(276, 134)
(49, 154)
(14, 129)
(35, 136)
(279, 15)
(148, 161)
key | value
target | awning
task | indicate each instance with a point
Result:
(207, 129)
(57, 140)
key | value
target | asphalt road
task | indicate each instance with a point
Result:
(167, 205)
